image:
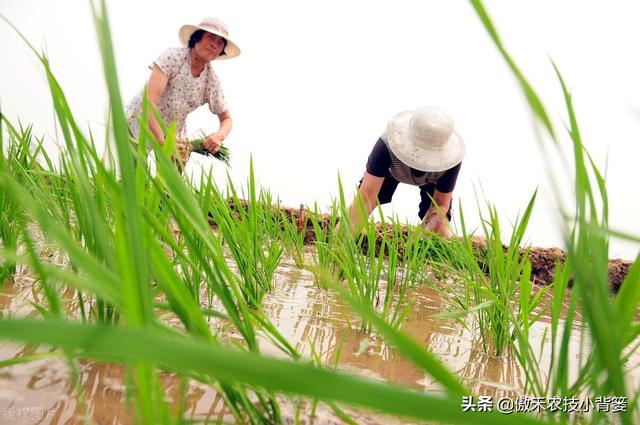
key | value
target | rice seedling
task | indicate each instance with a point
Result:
(248, 231)
(402, 248)
(421, 253)
(395, 306)
(361, 268)
(362, 272)
(10, 212)
(293, 234)
(270, 216)
(586, 237)
(491, 282)
(509, 274)
(367, 255)
(324, 267)
(199, 246)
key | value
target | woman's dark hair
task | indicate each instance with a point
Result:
(197, 36)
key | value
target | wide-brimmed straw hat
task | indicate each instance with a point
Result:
(425, 139)
(214, 26)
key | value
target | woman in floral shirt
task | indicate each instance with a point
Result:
(182, 79)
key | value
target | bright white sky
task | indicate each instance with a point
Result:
(317, 82)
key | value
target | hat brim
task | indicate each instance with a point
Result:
(231, 51)
(431, 160)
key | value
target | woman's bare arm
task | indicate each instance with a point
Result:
(436, 218)
(155, 88)
(368, 194)
(213, 141)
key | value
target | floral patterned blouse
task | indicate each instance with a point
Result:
(183, 94)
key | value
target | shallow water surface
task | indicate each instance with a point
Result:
(44, 392)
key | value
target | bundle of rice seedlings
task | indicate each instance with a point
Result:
(223, 154)
(197, 146)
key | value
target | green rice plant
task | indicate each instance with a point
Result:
(509, 274)
(248, 231)
(375, 251)
(293, 235)
(324, 268)
(612, 324)
(451, 254)
(365, 256)
(77, 208)
(270, 217)
(10, 211)
(362, 272)
(553, 381)
(424, 255)
(20, 159)
(414, 255)
(395, 306)
(497, 290)
(204, 247)
(360, 267)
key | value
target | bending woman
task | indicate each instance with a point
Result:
(419, 148)
(182, 79)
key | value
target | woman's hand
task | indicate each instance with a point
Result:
(434, 222)
(213, 142)
(443, 228)
(431, 220)
(184, 150)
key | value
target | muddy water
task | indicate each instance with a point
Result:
(44, 391)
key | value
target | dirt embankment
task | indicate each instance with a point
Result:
(543, 260)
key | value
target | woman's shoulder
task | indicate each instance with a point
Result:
(175, 53)
(171, 60)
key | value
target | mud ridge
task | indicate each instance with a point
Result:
(543, 260)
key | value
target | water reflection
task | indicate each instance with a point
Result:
(311, 318)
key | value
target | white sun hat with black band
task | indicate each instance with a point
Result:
(214, 26)
(425, 139)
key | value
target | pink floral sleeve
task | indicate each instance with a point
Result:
(170, 61)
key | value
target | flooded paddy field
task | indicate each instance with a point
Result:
(312, 319)
(120, 305)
